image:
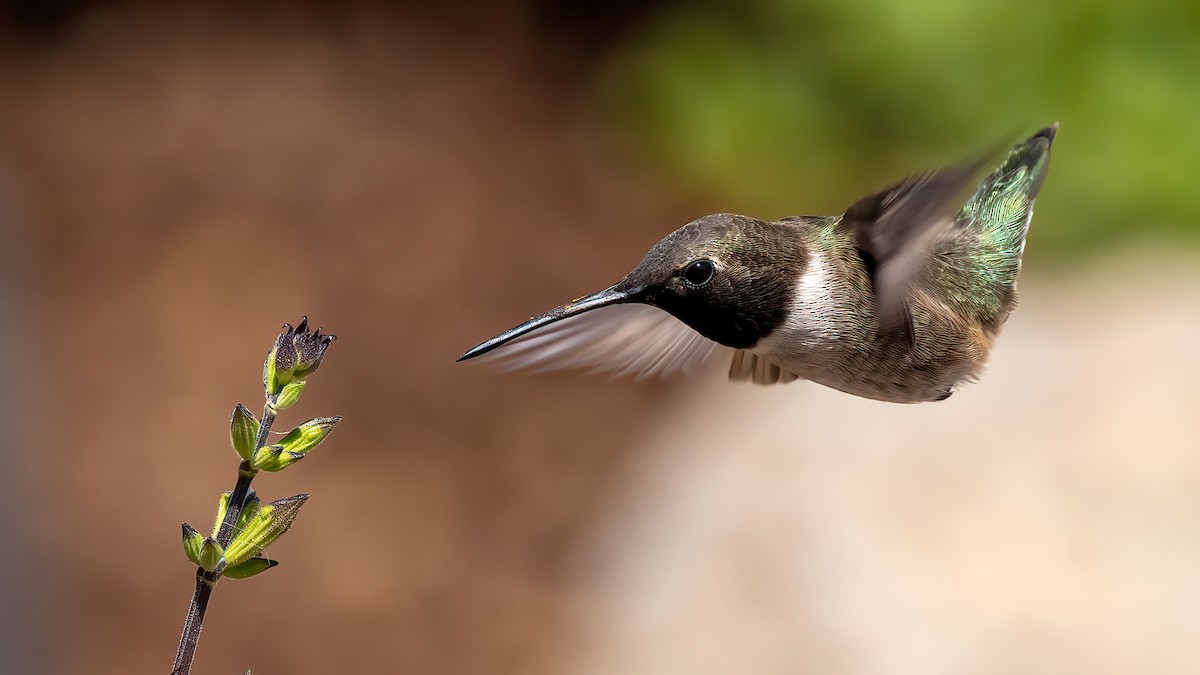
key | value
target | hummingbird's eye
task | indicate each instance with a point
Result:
(699, 272)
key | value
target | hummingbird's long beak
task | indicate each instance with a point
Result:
(613, 295)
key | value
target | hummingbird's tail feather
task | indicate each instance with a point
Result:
(977, 261)
(1002, 205)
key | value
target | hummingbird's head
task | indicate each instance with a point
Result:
(730, 278)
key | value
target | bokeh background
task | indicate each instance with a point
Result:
(178, 179)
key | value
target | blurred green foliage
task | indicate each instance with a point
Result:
(774, 107)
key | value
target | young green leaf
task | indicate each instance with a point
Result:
(249, 568)
(267, 525)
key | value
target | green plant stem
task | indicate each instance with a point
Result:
(237, 498)
(205, 582)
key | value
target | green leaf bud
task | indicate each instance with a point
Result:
(289, 395)
(192, 542)
(249, 568)
(211, 556)
(294, 446)
(306, 436)
(243, 431)
(266, 459)
(282, 461)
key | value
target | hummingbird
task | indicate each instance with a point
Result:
(898, 299)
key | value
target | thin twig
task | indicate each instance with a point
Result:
(206, 581)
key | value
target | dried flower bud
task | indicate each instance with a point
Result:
(281, 362)
(296, 355)
(310, 349)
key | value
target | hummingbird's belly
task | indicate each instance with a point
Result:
(892, 377)
(860, 362)
(895, 385)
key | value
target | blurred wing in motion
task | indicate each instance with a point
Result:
(894, 227)
(624, 339)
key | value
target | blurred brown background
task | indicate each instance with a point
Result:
(183, 179)
(176, 180)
